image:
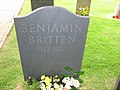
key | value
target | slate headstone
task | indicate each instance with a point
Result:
(49, 39)
(39, 3)
(117, 85)
(83, 7)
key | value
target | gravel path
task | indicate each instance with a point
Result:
(8, 9)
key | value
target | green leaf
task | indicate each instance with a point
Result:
(66, 75)
(73, 88)
(69, 69)
(79, 73)
(80, 80)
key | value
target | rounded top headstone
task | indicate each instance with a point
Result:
(49, 39)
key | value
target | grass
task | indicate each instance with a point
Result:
(101, 61)
(102, 55)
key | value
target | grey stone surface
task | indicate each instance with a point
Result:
(82, 6)
(49, 39)
(39, 3)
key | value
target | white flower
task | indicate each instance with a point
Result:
(50, 85)
(60, 87)
(51, 88)
(56, 85)
(42, 86)
(76, 83)
(67, 86)
(66, 79)
(83, 8)
(69, 83)
(72, 79)
(80, 8)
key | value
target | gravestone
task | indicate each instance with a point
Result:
(117, 85)
(39, 3)
(83, 7)
(117, 9)
(49, 39)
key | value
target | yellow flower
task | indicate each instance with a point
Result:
(46, 86)
(56, 76)
(58, 79)
(42, 77)
(48, 80)
(51, 77)
(56, 85)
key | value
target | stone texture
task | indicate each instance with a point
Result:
(39, 3)
(49, 39)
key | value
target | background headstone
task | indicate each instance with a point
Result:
(49, 39)
(117, 9)
(39, 3)
(117, 85)
(83, 7)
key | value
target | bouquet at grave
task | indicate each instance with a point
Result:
(83, 11)
(65, 82)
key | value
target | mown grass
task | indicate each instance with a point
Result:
(101, 61)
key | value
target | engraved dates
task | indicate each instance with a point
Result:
(51, 50)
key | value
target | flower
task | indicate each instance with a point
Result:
(42, 77)
(76, 83)
(51, 88)
(56, 79)
(56, 76)
(47, 80)
(56, 85)
(65, 88)
(66, 79)
(117, 17)
(42, 86)
(69, 82)
(68, 86)
(60, 87)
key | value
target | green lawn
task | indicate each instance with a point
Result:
(101, 61)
